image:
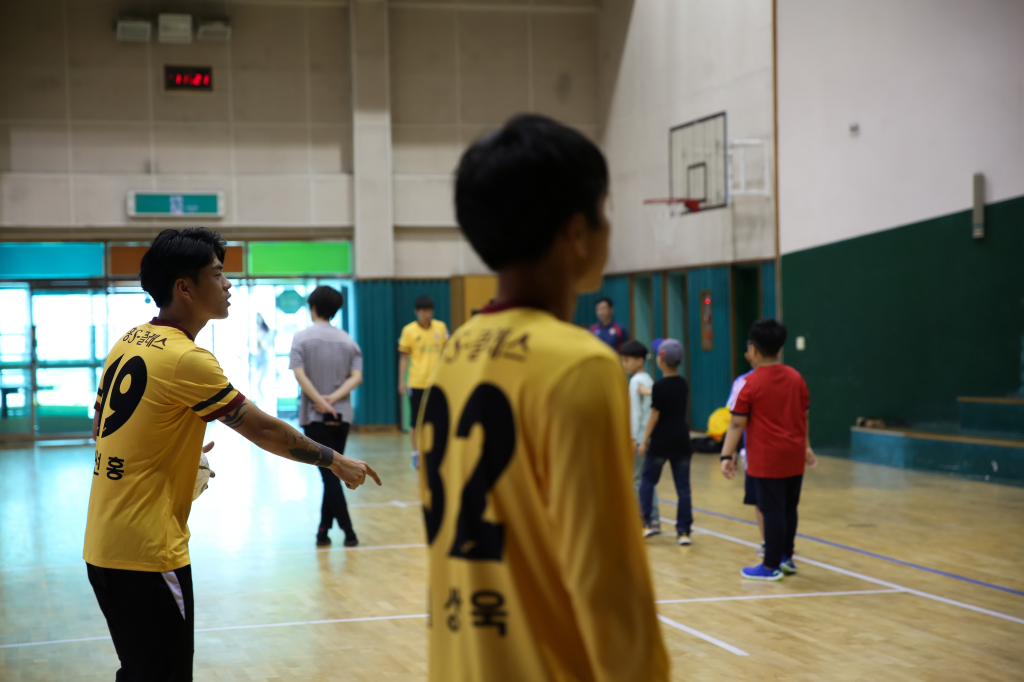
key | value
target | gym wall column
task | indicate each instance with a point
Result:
(371, 133)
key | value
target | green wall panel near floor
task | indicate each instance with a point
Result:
(378, 339)
(899, 323)
(711, 370)
(768, 298)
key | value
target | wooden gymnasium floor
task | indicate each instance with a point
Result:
(910, 576)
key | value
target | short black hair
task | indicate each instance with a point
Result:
(633, 349)
(768, 336)
(424, 303)
(516, 188)
(605, 299)
(175, 254)
(326, 300)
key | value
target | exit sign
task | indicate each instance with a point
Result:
(175, 204)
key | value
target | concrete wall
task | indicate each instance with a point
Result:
(937, 90)
(458, 71)
(84, 118)
(664, 63)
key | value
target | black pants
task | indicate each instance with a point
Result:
(334, 507)
(778, 498)
(680, 464)
(153, 638)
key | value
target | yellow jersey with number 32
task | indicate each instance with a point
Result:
(537, 566)
(158, 392)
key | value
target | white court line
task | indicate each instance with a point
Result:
(776, 596)
(706, 638)
(866, 578)
(229, 627)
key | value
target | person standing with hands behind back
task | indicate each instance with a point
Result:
(328, 365)
(667, 439)
(419, 347)
(772, 405)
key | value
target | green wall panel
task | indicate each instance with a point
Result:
(79, 260)
(768, 298)
(899, 323)
(378, 339)
(711, 370)
(299, 259)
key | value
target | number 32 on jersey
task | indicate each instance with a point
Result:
(475, 539)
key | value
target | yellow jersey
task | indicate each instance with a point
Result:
(537, 566)
(158, 392)
(424, 348)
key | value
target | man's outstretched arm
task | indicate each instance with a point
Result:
(275, 436)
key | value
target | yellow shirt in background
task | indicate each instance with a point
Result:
(424, 348)
(537, 566)
(158, 392)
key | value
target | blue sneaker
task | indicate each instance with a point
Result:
(759, 572)
(415, 460)
(787, 566)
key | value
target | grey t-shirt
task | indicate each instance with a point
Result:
(328, 355)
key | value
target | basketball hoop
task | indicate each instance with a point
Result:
(680, 205)
(661, 216)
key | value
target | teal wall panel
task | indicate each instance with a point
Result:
(900, 323)
(675, 308)
(711, 370)
(643, 329)
(659, 306)
(768, 298)
(78, 260)
(378, 339)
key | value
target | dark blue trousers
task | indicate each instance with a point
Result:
(680, 464)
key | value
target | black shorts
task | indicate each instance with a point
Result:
(151, 620)
(415, 398)
(749, 490)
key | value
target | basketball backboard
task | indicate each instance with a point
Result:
(698, 163)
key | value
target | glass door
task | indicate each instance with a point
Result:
(16, 418)
(70, 344)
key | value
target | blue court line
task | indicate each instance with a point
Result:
(862, 551)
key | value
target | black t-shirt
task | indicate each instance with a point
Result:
(671, 434)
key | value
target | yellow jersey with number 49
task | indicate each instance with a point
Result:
(158, 392)
(537, 566)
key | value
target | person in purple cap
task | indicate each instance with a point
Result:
(667, 439)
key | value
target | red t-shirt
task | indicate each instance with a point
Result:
(775, 398)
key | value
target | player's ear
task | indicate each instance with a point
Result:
(576, 232)
(183, 287)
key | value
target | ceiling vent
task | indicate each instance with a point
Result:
(214, 30)
(175, 28)
(134, 30)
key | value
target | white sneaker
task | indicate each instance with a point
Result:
(652, 530)
(683, 540)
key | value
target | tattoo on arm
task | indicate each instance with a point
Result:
(236, 418)
(309, 452)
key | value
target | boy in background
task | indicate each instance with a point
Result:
(419, 348)
(772, 405)
(667, 439)
(633, 355)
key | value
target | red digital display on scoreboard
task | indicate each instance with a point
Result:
(195, 78)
